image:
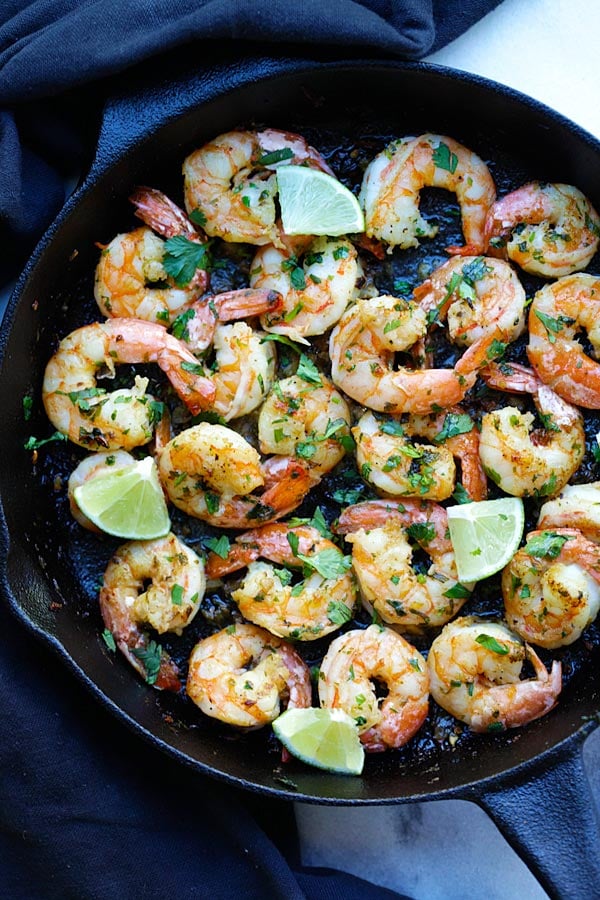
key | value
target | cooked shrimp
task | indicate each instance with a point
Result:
(382, 559)
(197, 325)
(524, 461)
(168, 603)
(392, 183)
(241, 674)
(231, 182)
(478, 296)
(316, 287)
(210, 472)
(551, 587)
(319, 604)
(92, 467)
(353, 666)
(577, 506)
(475, 667)
(396, 467)
(98, 420)
(362, 348)
(547, 229)
(558, 312)
(307, 420)
(244, 370)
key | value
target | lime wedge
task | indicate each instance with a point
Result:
(127, 503)
(325, 738)
(315, 203)
(485, 535)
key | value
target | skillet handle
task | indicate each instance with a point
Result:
(550, 819)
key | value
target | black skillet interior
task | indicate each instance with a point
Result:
(53, 567)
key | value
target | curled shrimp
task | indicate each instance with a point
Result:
(362, 347)
(477, 296)
(309, 609)
(474, 669)
(354, 663)
(211, 472)
(159, 583)
(577, 506)
(197, 325)
(558, 313)
(316, 286)
(308, 420)
(547, 229)
(93, 467)
(231, 182)
(392, 183)
(379, 531)
(522, 460)
(98, 420)
(551, 587)
(241, 674)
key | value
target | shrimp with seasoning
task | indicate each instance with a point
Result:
(211, 472)
(474, 669)
(309, 609)
(307, 419)
(379, 531)
(558, 313)
(98, 420)
(316, 286)
(551, 587)
(577, 506)
(363, 345)
(158, 583)
(390, 192)
(547, 229)
(354, 664)
(231, 184)
(241, 674)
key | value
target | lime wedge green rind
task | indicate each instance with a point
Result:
(325, 738)
(313, 202)
(485, 536)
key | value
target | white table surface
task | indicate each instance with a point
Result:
(450, 849)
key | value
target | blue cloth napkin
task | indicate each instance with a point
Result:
(86, 809)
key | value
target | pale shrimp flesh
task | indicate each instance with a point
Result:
(355, 663)
(241, 675)
(363, 346)
(94, 466)
(551, 587)
(157, 583)
(230, 183)
(390, 192)
(475, 667)
(307, 419)
(577, 506)
(547, 229)
(98, 420)
(211, 472)
(316, 285)
(558, 313)
(310, 608)
(408, 599)
(522, 460)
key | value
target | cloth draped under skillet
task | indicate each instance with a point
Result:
(86, 809)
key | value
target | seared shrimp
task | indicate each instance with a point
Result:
(524, 461)
(244, 370)
(168, 603)
(307, 420)
(382, 559)
(479, 297)
(393, 181)
(319, 604)
(396, 467)
(241, 674)
(98, 420)
(547, 229)
(577, 506)
(197, 325)
(316, 287)
(354, 663)
(231, 182)
(92, 467)
(362, 348)
(551, 587)
(475, 667)
(210, 472)
(558, 313)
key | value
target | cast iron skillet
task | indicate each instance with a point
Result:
(531, 781)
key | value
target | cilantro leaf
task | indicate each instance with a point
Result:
(338, 613)
(150, 656)
(546, 544)
(33, 443)
(328, 563)
(308, 371)
(490, 643)
(454, 424)
(422, 532)
(179, 327)
(182, 257)
(219, 545)
(275, 156)
(443, 158)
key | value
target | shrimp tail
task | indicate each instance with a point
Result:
(466, 250)
(163, 216)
